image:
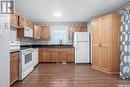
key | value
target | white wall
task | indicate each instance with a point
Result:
(13, 34)
(4, 52)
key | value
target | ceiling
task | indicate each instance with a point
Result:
(72, 10)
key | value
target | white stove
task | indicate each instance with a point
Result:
(26, 62)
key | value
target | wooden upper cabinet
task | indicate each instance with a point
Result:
(41, 32)
(76, 28)
(31, 24)
(21, 21)
(37, 32)
(80, 28)
(45, 32)
(25, 22)
(14, 19)
(83, 28)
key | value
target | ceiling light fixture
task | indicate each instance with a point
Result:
(58, 14)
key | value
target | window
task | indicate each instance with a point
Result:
(59, 34)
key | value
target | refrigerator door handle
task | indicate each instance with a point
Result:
(77, 45)
(77, 41)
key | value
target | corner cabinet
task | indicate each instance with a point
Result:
(106, 43)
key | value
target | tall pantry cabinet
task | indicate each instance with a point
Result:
(106, 43)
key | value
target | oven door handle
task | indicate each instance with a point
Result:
(26, 53)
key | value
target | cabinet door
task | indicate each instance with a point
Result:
(55, 56)
(46, 32)
(63, 56)
(14, 67)
(14, 19)
(96, 56)
(70, 58)
(37, 32)
(40, 54)
(48, 57)
(30, 24)
(21, 21)
(20, 33)
(105, 41)
(76, 28)
(26, 22)
(14, 71)
(70, 55)
(83, 28)
(96, 34)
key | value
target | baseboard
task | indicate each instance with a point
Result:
(103, 70)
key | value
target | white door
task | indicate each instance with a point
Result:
(82, 52)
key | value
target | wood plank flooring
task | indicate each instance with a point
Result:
(70, 75)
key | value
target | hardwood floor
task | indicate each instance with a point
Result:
(70, 75)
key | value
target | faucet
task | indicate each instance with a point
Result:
(60, 41)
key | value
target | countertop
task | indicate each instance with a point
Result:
(48, 46)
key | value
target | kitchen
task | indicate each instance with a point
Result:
(47, 47)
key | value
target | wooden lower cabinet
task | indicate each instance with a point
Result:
(56, 54)
(14, 67)
(40, 55)
(47, 56)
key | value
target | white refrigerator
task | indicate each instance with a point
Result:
(82, 47)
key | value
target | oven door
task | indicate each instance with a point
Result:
(27, 61)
